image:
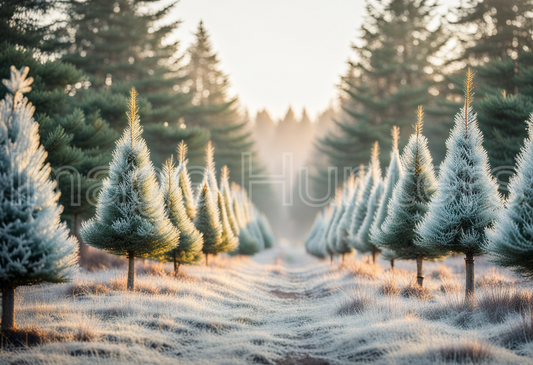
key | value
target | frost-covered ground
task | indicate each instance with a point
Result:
(281, 307)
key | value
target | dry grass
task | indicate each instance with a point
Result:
(442, 272)
(364, 270)
(389, 287)
(460, 353)
(500, 301)
(415, 291)
(355, 301)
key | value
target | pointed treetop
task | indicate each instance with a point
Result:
(395, 132)
(224, 174)
(18, 84)
(133, 116)
(182, 151)
(419, 120)
(504, 94)
(167, 171)
(361, 172)
(469, 94)
(374, 158)
(209, 153)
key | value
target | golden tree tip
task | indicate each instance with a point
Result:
(395, 132)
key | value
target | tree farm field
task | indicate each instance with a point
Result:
(279, 307)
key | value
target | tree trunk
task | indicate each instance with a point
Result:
(419, 270)
(8, 308)
(131, 271)
(331, 259)
(343, 257)
(176, 265)
(206, 258)
(392, 264)
(373, 257)
(470, 278)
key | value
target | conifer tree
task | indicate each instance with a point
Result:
(313, 240)
(266, 230)
(36, 247)
(228, 199)
(378, 89)
(210, 173)
(331, 233)
(207, 221)
(394, 173)
(130, 214)
(510, 241)
(228, 240)
(467, 200)
(372, 179)
(184, 181)
(362, 240)
(248, 244)
(409, 202)
(342, 246)
(189, 249)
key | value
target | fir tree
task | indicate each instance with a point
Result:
(342, 246)
(228, 240)
(130, 214)
(209, 171)
(190, 245)
(372, 179)
(510, 241)
(248, 244)
(394, 173)
(228, 199)
(331, 233)
(266, 230)
(467, 200)
(207, 221)
(362, 240)
(36, 247)
(409, 202)
(379, 90)
(312, 242)
(184, 181)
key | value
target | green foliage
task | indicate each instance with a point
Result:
(207, 221)
(228, 240)
(130, 214)
(189, 249)
(510, 241)
(36, 247)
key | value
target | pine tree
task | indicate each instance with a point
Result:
(207, 221)
(210, 177)
(343, 246)
(189, 250)
(362, 240)
(228, 200)
(266, 230)
(467, 200)
(228, 240)
(510, 241)
(75, 143)
(372, 179)
(393, 73)
(346, 192)
(36, 247)
(394, 173)
(331, 232)
(248, 244)
(312, 242)
(130, 214)
(184, 181)
(409, 202)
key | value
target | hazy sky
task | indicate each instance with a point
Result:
(278, 52)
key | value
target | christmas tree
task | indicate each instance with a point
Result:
(228, 200)
(409, 202)
(130, 214)
(207, 221)
(362, 240)
(229, 241)
(342, 246)
(372, 179)
(394, 173)
(189, 250)
(467, 200)
(184, 181)
(510, 241)
(36, 247)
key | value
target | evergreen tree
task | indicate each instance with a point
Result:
(344, 199)
(209, 171)
(393, 73)
(337, 208)
(467, 200)
(228, 240)
(495, 28)
(207, 221)
(362, 239)
(394, 174)
(76, 144)
(228, 199)
(231, 134)
(266, 230)
(372, 179)
(184, 181)
(248, 244)
(409, 202)
(510, 241)
(130, 215)
(312, 242)
(342, 246)
(36, 247)
(189, 249)
(120, 45)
